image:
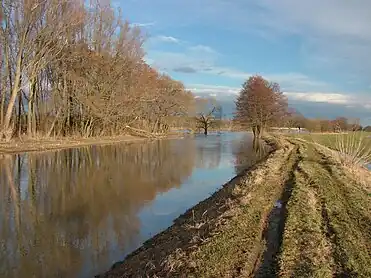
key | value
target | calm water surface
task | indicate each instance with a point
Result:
(73, 213)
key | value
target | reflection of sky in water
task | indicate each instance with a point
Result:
(160, 213)
(213, 166)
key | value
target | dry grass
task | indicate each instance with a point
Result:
(47, 144)
(238, 248)
(327, 232)
(353, 148)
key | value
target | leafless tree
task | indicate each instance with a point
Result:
(260, 104)
(208, 114)
(72, 68)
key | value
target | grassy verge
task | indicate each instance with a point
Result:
(328, 228)
(353, 148)
(239, 248)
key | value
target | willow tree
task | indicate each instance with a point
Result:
(260, 104)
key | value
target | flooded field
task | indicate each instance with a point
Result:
(72, 213)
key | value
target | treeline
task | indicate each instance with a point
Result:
(340, 124)
(261, 105)
(69, 68)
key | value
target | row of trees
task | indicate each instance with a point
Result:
(261, 105)
(340, 124)
(72, 68)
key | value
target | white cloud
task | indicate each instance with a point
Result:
(207, 63)
(346, 100)
(167, 39)
(144, 24)
(321, 97)
(230, 92)
(332, 34)
(203, 48)
(214, 90)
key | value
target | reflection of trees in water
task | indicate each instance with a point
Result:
(208, 152)
(54, 204)
(247, 152)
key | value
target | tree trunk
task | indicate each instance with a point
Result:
(14, 94)
(30, 114)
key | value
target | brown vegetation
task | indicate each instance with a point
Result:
(67, 68)
(295, 119)
(260, 104)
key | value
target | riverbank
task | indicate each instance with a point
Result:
(48, 144)
(298, 213)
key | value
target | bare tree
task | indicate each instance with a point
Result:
(260, 104)
(71, 68)
(208, 114)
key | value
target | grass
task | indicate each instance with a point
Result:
(305, 248)
(353, 148)
(321, 230)
(238, 249)
(328, 228)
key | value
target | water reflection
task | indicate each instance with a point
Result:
(208, 155)
(72, 213)
(248, 152)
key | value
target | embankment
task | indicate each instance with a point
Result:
(298, 213)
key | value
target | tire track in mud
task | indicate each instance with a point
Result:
(267, 264)
(340, 269)
(342, 183)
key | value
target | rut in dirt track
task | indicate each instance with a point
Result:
(273, 233)
(340, 271)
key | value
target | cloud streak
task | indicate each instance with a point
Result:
(143, 24)
(345, 100)
(202, 60)
(166, 39)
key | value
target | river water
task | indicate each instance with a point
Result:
(73, 213)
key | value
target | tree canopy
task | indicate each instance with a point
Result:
(260, 104)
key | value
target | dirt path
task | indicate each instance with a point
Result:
(328, 228)
(273, 233)
(296, 214)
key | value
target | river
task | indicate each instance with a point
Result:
(74, 212)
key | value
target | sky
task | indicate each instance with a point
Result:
(318, 51)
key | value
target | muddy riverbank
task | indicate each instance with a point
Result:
(298, 213)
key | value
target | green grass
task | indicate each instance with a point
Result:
(305, 248)
(328, 226)
(236, 249)
(353, 147)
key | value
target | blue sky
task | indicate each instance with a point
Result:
(318, 51)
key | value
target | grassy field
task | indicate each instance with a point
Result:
(299, 213)
(353, 147)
